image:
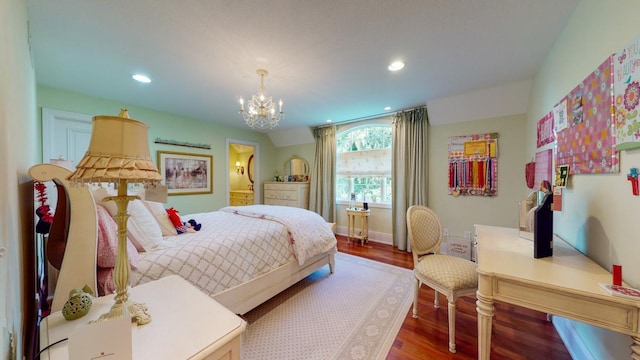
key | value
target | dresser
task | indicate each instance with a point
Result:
(240, 197)
(294, 194)
(185, 324)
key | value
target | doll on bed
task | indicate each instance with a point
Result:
(182, 227)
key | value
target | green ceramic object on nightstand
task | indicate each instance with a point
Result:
(79, 303)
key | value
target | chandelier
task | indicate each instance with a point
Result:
(261, 110)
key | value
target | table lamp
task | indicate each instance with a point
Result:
(119, 153)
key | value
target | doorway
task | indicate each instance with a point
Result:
(244, 170)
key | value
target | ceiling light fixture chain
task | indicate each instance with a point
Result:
(261, 110)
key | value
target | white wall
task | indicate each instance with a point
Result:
(17, 154)
(599, 210)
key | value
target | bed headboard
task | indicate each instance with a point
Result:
(72, 242)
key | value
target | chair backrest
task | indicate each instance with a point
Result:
(425, 231)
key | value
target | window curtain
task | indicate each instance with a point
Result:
(322, 188)
(409, 169)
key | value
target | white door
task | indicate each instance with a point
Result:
(65, 134)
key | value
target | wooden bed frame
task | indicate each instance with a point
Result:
(73, 244)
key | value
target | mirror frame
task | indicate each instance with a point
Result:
(249, 165)
(296, 157)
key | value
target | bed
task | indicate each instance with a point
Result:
(279, 247)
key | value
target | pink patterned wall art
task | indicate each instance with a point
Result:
(546, 131)
(588, 143)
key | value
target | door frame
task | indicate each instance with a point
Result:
(257, 183)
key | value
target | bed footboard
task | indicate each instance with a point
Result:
(243, 298)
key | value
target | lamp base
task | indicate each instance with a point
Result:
(138, 312)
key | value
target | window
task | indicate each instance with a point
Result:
(363, 165)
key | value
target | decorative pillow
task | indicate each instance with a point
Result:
(99, 194)
(142, 227)
(106, 285)
(160, 214)
(108, 242)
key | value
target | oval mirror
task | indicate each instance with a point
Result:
(250, 168)
(297, 167)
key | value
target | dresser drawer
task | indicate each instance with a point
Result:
(241, 195)
(291, 203)
(240, 198)
(281, 186)
(281, 194)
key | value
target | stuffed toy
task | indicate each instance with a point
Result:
(182, 227)
(194, 225)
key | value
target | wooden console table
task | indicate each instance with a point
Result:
(566, 284)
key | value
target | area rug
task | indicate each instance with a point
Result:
(354, 313)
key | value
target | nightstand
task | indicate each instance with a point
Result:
(353, 215)
(185, 324)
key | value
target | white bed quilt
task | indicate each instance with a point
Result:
(232, 249)
(309, 233)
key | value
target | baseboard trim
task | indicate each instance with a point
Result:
(379, 237)
(571, 339)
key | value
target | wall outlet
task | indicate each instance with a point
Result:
(467, 235)
(445, 231)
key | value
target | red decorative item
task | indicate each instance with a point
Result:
(633, 177)
(530, 174)
(43, 211)
(617, 275)
(174, 216)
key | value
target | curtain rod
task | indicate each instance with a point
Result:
(369, 117)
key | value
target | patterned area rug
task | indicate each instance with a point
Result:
(354, 313)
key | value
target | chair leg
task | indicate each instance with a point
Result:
(416, 288)
(452, 325)
(436, 300)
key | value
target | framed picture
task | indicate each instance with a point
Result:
(186, 174)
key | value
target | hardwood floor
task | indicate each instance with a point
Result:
(518, 333)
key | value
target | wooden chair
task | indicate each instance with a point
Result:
(449, 275)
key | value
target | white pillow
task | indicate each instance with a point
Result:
(142, 228)
(160, 214)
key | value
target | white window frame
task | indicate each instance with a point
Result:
(385, 121)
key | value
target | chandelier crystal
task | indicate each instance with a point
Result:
(261, 110)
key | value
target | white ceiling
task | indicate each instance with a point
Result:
(327, 59)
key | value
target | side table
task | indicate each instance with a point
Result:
(185, 324)
(352, 217)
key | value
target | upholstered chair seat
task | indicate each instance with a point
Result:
(448, 272)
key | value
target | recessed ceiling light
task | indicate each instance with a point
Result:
(387, 107)
(141, 78)
(396, 65)
(329, 120)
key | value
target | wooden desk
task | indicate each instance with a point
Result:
(363, 215)
(566, 284)
(185, 324)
